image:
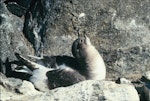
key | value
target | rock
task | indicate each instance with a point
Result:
(11, 36)
(9, 83)
(23, 3)
(147, 75)
(87, 90)
(123, 41)
(12, 88)
(16, 9)
(8, 86)
(118, 29)
(95, 91)
(2, 1)
(27, 88)
(120, 34)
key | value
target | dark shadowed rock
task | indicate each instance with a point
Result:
(23, 3)
(16, 9)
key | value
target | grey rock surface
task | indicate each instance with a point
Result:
(11, 88)
(83, 91)
(119, 30)
(95, 91)
(147, 75)
(11, 36)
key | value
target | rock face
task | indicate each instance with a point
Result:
(12, 88)
(120, 30)
(95, 91)
(84, 91)
(147, 75)
(11, 36)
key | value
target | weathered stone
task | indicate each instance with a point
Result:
(11, 36)
(27, 88)
(147, 75)
(88, 90)
(24, 3)
(95, 91)
(9, 83)
(16, 9)
(118, 29)
(11, 88)
(8, 86)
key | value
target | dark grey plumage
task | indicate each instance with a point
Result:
(63, 78)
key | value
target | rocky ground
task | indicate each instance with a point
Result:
(120, 30)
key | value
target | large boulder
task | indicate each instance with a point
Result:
(93, 91)
(83, 91)
(12, 88)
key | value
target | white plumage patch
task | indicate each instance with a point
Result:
(24, 69)
(65, 67)
(39, 78)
